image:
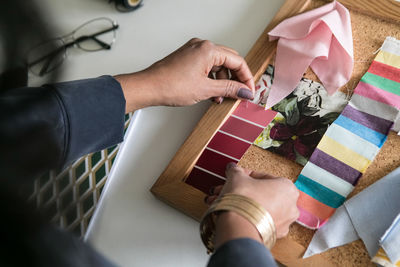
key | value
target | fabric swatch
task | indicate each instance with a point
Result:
(352, 141)
(320, 38)
(370, 216)
(381, 259)
(301, 120)
(390, 241)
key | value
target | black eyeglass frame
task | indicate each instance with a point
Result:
(75, 41)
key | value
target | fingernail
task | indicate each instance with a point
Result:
(230, 165)
(220, 100)
(245, 93)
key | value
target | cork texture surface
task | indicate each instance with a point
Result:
(368, 35)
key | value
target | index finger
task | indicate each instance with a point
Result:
(235, 64)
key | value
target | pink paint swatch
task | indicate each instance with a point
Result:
(254, 113)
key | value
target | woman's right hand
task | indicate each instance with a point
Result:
(277, 195)
(185, 77)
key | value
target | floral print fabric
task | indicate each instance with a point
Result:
(302, 118)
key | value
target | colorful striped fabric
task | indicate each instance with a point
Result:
(353, 140)
(229, 144)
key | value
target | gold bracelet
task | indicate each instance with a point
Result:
(244, 206)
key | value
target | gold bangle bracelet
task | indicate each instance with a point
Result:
(244, 206)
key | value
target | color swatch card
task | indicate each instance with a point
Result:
(229, 144)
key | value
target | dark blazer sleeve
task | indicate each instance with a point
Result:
(48, 127)
(242, 252)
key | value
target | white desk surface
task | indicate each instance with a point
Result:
(131, 226)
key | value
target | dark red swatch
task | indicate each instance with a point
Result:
(214, 162)
(202, 180)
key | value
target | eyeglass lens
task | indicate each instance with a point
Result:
(46, 57)
(93, 35)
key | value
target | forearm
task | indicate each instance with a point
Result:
(48, 127)
(95, 110)
(242, 252)
(230, 225)
(238, 243)
(138, 89)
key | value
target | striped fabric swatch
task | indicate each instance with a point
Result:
(353, 140)
(229, 144)
(382, 259)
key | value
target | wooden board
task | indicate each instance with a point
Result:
(372, 21)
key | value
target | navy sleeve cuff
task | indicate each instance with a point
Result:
(243, 252)
(94, 112)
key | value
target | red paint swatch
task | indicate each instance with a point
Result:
(228, 145)
(241, 129)
(214, 162)
(202, 180)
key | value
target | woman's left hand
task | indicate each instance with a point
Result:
(185, 77)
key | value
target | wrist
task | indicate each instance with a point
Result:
(138, 90)
(230, 226)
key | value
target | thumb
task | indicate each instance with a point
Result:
(230, 88)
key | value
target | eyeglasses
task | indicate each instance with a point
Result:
(94, 35)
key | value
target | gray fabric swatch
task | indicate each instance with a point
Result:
(396, 124)
(390, 242)
(368, 215)
(338, 231)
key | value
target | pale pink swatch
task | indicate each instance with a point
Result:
(320, 38)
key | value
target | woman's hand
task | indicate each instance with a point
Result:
(183, 77)
(277, 195)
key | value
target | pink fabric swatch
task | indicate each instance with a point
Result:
(320, 38)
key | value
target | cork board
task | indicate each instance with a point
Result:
(371, 23)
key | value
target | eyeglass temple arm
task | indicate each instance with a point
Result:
(94, 35)
(101, 43)
(52, 54)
